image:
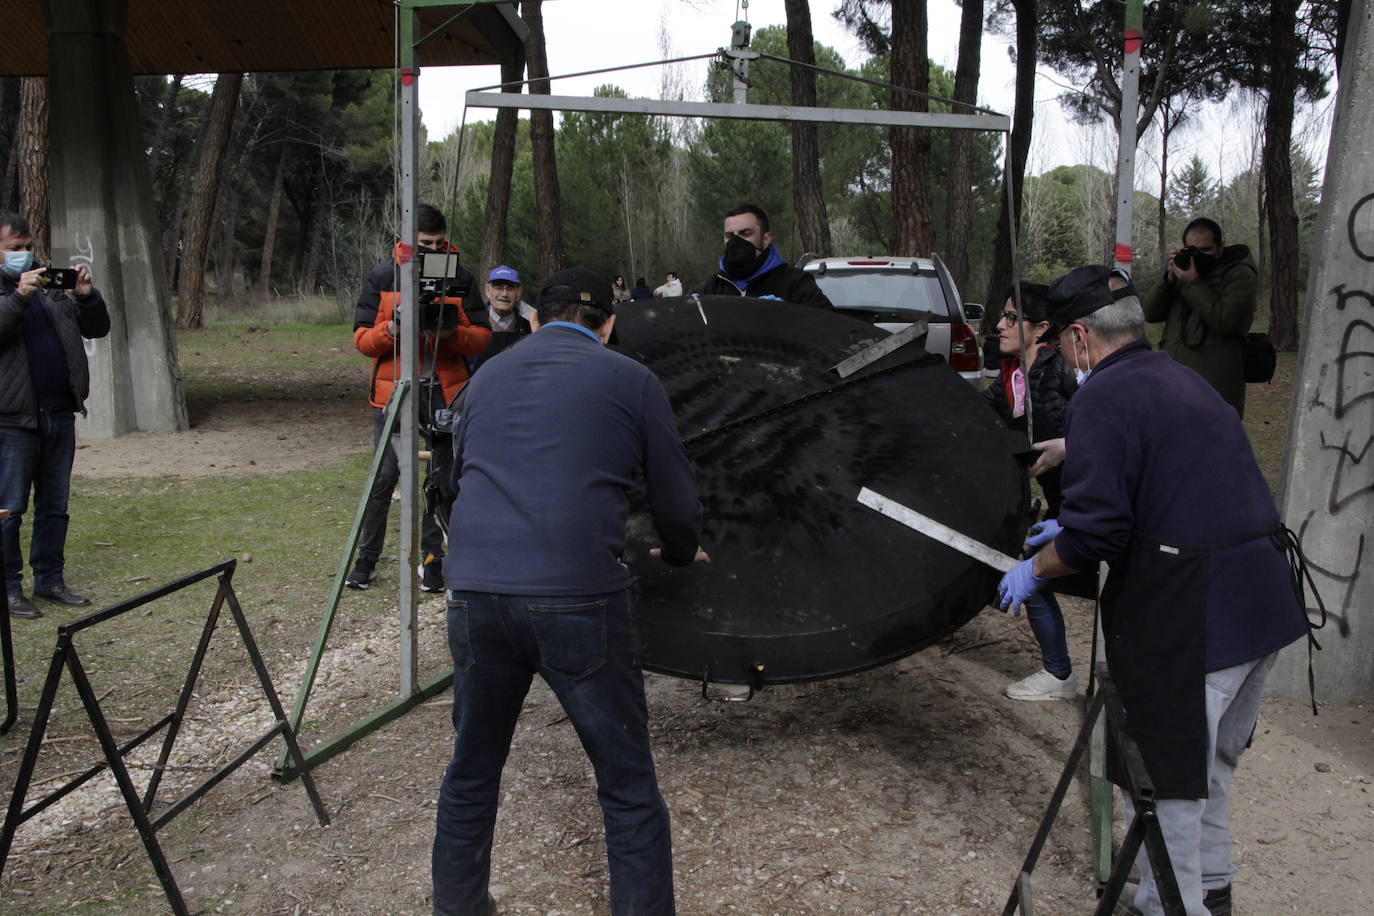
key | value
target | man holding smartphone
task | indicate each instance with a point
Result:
(44, 381)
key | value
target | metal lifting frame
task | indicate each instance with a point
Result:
(65, 656)
(7, 653)
(1143, 829)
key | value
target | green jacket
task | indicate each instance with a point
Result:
(1207, 319)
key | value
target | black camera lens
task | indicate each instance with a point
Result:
(1184, 258)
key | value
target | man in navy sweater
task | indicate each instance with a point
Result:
(554, 432)
(1160, 483)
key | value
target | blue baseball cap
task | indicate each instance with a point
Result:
(503, 273)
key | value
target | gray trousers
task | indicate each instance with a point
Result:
(1197, 831)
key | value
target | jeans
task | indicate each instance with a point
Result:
(586, 649)
(1197, 831)
(372, 537)
(39, 460)
(1047, 623)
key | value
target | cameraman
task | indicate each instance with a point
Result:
(376, 333)
(44, 378)
(1208, 300)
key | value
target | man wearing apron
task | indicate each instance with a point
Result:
(1161, 484)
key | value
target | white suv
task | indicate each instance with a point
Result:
(892, 291)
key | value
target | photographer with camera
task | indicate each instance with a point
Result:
(44, 381)
(447, 336)
(1208, 299)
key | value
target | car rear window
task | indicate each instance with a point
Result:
(888, 293)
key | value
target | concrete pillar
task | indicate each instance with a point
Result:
(103, 216)
(1327, 491)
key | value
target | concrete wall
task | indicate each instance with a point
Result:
(103, 216)
(1328, 479)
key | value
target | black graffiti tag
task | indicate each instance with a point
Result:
(1350, 229)
(1348, 461)
(1363, 390)
(1350, 579)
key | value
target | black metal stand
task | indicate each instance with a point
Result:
(1144, 827)
(7, 652)
(141, 809)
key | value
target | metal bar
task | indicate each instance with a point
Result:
(215, 778)
(443, 27)
(1102, 798)
(410, 342)
(888, 344)
(1166, 884)
(746, 112)
(1132, 34)
(937, 530)
(61, 792)
(146, 831)
(891, 87)
(114, 610)
(287, 734)
(398, 393)
(184, 697)
(7, 653)
(342, 741)
(22, 779)
(1130, 845)
(566, 76)
(1056, 802)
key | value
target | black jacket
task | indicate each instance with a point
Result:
(1051, 386)
(500, 340)
(784, 281)
(73, 318)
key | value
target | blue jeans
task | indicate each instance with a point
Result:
(39, 460)
(586, 649)
(1047, 623)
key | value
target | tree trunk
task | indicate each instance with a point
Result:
(269, 239)
(33, 161)
(204, 190)
(1281, 217)
(1161, 233)
(502, 166)
(911, 145)
(958, 230)
(315, 236)
(1018, 149)
(547, 216)
(812, 222)
(9, 127)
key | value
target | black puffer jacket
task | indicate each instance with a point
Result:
(1051, 386)
(73, 318)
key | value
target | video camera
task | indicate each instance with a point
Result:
(438, 281)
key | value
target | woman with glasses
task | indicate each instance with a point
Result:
(1044, 396)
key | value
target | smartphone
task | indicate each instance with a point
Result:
(59, 278)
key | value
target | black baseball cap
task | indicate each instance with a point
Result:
(578, 284)
(1078, 293)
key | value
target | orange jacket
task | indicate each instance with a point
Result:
(447, 361)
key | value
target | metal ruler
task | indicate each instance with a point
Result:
(940, 532)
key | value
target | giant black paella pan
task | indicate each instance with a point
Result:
(805, 582)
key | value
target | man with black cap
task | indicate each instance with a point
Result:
(551, 438)
(752, 266)
(1160, 483)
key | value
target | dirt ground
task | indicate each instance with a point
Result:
(911, 788)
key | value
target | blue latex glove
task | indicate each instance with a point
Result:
(1041, 533)
(1016, 586)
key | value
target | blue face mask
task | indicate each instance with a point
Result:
(16, 262)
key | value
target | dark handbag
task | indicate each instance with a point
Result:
(1258, 358)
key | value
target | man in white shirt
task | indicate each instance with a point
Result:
(671, 287)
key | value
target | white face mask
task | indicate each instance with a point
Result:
(1080, 374)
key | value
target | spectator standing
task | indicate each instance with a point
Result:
(1208, 306)
(752, 266)
(641, 290)
(671, 287)
(619, 290)
(502, 292)
(44, 381)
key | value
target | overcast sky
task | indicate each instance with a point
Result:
(593, 34)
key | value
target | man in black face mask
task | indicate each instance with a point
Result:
(1208, 298)
(751, 265)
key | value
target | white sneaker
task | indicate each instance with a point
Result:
(1044, 686)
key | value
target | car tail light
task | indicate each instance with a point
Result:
(963, 349)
